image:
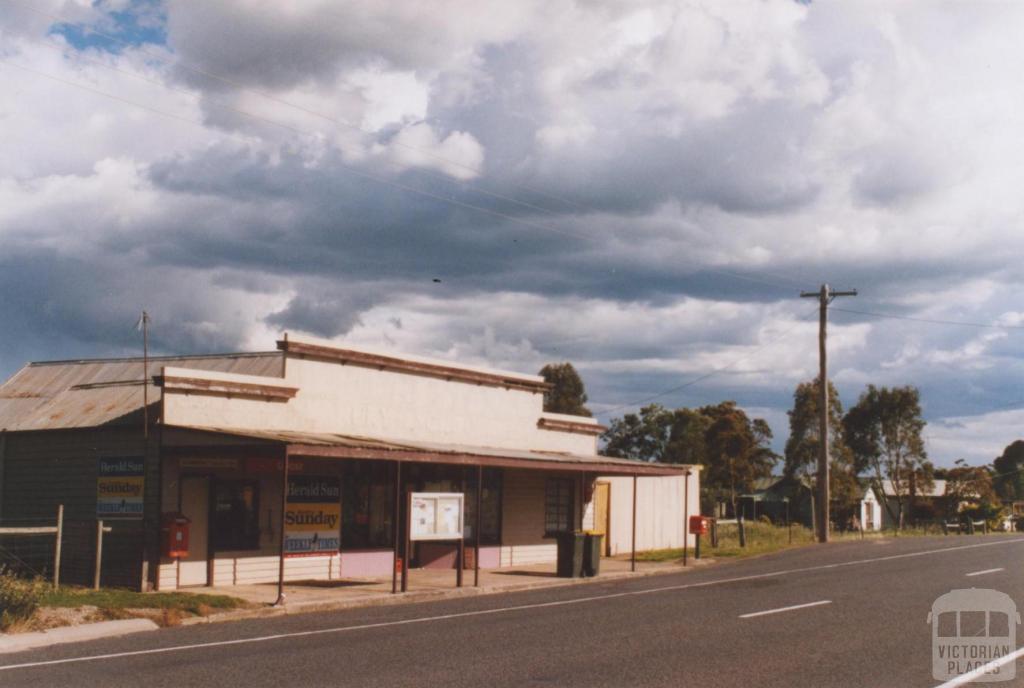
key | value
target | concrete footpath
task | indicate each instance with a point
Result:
(424, 585)
(319, 596)
(17, 642)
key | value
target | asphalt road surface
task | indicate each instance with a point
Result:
(852, 614)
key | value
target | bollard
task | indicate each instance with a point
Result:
(696, 551)
(743, 535)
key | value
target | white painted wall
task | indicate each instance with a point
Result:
(870, 510)
(659, 513)
(347, 399)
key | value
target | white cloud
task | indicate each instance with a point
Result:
(699, 162)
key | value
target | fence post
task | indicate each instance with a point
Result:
(99, 555)
(56, 547)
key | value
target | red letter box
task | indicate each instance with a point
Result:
(175, 532)
(699, 525)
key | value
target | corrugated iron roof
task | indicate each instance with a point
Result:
(75, 394)
(383, 446)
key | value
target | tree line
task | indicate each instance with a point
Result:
(878, 442)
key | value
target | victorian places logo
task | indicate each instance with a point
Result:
(972, 631)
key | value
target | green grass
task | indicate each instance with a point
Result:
(763, 538)
(113, 599)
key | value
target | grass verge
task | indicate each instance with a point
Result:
(763, 538)
(113, 599)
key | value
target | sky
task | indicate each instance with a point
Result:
(640, 188)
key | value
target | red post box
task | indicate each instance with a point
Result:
(175, 531)
(699, 525)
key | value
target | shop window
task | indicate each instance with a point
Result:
(490, 512)
(367, 503)
(558, 505)
(235, 521)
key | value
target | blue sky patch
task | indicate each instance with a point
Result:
(143, 23)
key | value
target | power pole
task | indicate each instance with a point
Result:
(824, 296)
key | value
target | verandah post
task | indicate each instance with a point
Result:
(476, 526)
(284, 508)
(632, 556)
(396, 515)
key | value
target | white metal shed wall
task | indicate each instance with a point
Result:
(659, 513)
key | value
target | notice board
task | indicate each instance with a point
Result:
(436, 515)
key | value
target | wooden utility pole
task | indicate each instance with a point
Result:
(824, 296)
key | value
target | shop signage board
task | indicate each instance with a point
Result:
(312, 517)
(436, 515)
(119, 487)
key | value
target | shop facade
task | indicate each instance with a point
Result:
(351, 432)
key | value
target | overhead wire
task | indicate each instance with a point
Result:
(282, 101)
(370, 176)
(717, 371)
(276, 99)
(348, 168)
(700, 267)
(930, 321)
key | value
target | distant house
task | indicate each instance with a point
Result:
(871, 510)
(875, 516)
(769, 498)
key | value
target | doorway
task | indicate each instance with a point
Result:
(195, 505)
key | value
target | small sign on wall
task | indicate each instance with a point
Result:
(436, 516)
(119, 487)
(312, 519)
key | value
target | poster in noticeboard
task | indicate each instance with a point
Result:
(435, 516)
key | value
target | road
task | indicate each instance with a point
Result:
(854, 614)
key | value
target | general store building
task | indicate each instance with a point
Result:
(351, 426)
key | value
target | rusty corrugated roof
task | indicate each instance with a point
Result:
(86, 393)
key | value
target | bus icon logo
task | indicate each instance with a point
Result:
(972, 630)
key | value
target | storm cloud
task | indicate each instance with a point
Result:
(642, 189)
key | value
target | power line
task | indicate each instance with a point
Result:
(347, 168)
(714, 372)
(232, 108)
(269, 96)
(281, 101)
(930, 321)
(367, 175)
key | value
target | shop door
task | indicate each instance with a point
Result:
(195, 504)
(602, 523)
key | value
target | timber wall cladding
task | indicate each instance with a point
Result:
(45, 469)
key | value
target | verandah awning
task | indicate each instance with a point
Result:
(329, 445)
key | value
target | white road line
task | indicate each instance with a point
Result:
(785, 609)
(980, 671)
(502, 610)
(982, 573)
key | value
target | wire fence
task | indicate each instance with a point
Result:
(26, 552)
(68, 552)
